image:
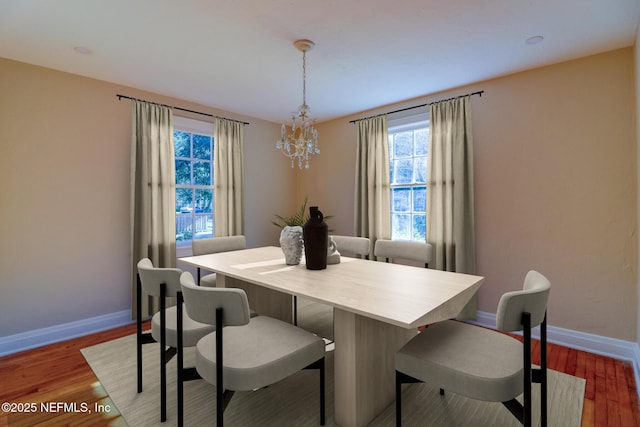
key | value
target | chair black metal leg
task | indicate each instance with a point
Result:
(526, 330)
(219, 361)
(543, 368)
(141, 338)
(320, 364)
(180, 361)
(163, 355)
(402, 378)
(523, 412)
(139, 330)
(295, 310)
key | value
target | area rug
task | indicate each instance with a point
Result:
(294, 401)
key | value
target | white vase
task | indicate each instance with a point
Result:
(291, 243)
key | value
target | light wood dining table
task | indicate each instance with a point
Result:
(378, 307)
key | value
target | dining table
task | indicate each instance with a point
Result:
(378, 307)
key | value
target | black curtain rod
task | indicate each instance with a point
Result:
(181, 109)
(480, 92)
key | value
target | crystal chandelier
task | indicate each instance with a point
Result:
(302, 142)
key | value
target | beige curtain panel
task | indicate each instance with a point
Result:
(372, 198)
(228, 177)
(450, 215)
(153, 192)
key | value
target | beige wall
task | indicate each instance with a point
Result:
(556, 190)
(64, 194)
(555, 186)
(636, 52)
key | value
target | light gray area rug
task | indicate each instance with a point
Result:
(295, 401)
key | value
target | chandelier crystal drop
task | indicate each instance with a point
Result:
(302, 142)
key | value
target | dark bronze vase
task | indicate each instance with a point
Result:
(316, 238)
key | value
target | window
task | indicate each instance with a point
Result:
(408, 154)
(193, 145)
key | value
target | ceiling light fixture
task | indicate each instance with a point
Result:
(302, 142)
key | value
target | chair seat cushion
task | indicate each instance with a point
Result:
(465, 359)
(192, 330)
(208, 281)
(257, 354)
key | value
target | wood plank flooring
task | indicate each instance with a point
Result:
(59, 373)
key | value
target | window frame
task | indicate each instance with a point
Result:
(199, 127)
(395, 126)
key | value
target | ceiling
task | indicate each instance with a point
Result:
(239, 55)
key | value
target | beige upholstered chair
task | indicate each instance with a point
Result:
(403, 249)
(164, 283)
(480, 363)
(351, 245)
(347, 246)
(255, 352)
(214, 245)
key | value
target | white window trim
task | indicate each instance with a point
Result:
(410, 122)
(193, 126)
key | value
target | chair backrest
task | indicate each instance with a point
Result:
(353, 245)
(218, 244)
(531, 299)
(151, 277)
(201, 303)
(403, 249)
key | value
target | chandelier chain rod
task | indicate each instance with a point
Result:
(304, 77)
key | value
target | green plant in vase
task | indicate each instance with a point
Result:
(299, 218)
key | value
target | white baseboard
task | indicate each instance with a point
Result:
(611, 347)
(605, 346)
(636, 367)
(39, 337)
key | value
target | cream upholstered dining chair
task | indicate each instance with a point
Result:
(164, 283)
(214, 245)
(403, 249)
(346, 245)
(255, 352)
(358, 246)
(480, 363)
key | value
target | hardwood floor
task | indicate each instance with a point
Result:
(56, 373)
(59, 373)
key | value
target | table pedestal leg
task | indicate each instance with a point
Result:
(364, 366)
